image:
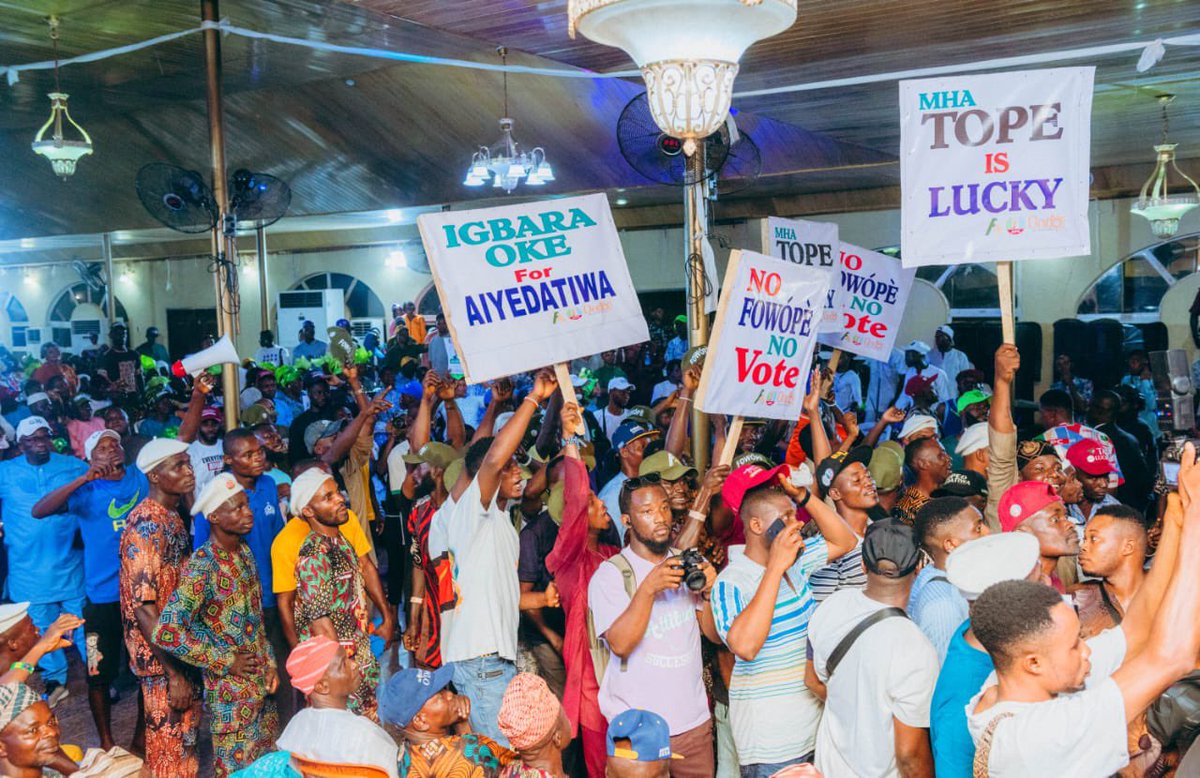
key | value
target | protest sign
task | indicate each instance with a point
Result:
(810, 244)
(760, 352)
(995, 167)
(529, 285)
(869, 292)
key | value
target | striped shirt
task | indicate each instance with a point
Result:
(773, 715)
(844, 573)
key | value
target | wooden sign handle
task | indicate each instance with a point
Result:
(563, 374)
(834, 359)
(1004, 284)
(731, 441)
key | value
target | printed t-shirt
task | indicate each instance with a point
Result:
(103, 507)
(264, 503)
(285, 550)
(207, 461)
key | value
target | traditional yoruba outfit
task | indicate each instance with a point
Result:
(329, 585)
(439, 586)
(215, 613)
(462, 756)
(154, 547)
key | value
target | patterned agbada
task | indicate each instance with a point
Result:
(154, 547)
(216, 612)
(454, 756)
(330, 585)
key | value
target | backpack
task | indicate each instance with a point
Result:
(596, 646)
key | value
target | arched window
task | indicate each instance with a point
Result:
(15, 320)
(970, 289)
(361, 300)
(428, 302)
(71, 298)
(1131, 290)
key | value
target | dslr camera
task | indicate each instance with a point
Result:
(692, 562)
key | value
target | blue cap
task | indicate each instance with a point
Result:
(630, 431)
(648, 735)
(401, 698)
(412, 389)
(343, 323)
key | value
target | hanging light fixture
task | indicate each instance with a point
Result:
(504, 162)
(1156, 204)
(62, 152)
(688, 51)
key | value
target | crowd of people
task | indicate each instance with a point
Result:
(386, 569)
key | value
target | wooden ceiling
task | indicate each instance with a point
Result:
(353, 134)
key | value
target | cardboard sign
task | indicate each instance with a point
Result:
(524, 286)
(869, 293)
(995, 167)
(760, 353)
(811, 244)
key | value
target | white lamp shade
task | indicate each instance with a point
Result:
(473, 180)
(479, 170)
(545, 172)
(515, 170)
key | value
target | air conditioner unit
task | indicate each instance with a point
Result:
(360, 328)
(323, 307)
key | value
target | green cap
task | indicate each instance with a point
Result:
(642, 413)
(667, 465)
(972, 397)
(694, 356)
(439, 455)
(450, 474)
(887, 463)
(681, 318)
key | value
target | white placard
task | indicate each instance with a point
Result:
(995, 167)
(810, 244)
(524, 286)
(869, 293)
(760, 352)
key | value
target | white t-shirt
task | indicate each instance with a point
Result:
(397, 468)
(890, 671)
(608, 422)
(275, 355)
(207, 461)
(610, 495)
(331, 735)
(943, 387)
(1079, 735)
(484, 549)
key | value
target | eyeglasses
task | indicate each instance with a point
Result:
(649, 479)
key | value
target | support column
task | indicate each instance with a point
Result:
(110, 275)
(260, 246)
(695, 233)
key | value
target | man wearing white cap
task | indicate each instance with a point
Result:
(947, 357)
(609, 417)
(214, 621)
(102, 498)
(154, 547)
(973, 448)
(916, 358)
(45, 567)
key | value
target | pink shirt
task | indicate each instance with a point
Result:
(80, 431)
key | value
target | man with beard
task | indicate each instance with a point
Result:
(1035, 507)
(319, 408)
(45, 566)
(629, 441)
(929, 462)
(1114, 553)
(846, 481)
(214, 621)
(609, 417)
(102, 498)
(154, 548)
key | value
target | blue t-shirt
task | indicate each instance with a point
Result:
(264, 502)
(153, 428)
(962, 675)
(102, 507)
(43, 563)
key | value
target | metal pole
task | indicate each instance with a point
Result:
(106, 249)
(695, 229)
(222, 244)
(260, 247)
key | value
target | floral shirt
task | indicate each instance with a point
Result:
(154, 547)
(454, 756)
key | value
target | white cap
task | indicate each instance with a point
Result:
(94, 439)
(946, 330)
(973, 438)
(919, 346)
(37, 397)
(501, 420)
(11, 614)
(157, 451)
(1003, 556)
(305, 487)
(215, 493)
(250, 396)
(578, 382)
(917, 422)
(30, 425)
(620, 382)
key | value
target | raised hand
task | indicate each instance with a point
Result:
(1008, 362)
(544, 384)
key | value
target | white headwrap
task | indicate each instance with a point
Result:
(1005, 556)
(215, 494)
(305, 487)
(158, 451)
(972, 439)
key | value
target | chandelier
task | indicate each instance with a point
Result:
(505, 162)
(688, 51)
(62, 153)
(1155, 203)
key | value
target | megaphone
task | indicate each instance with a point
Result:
(217, 354)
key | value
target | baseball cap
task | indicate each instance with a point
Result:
(1088, 456)
(30, 425)
(752, 458)
(648, 735)
(642, 413)
(946, 330)
(37, 397)
(694, 356)
(919, 384)
(745, 478)
(452, 472)
(919, 346)
(1004, 556)
(972, 397)
(152, 332)
(667, 465)
(440, 455)
(406, 692)
(887, 466)
(620, 383)
(892, 541)
(917, 422)
(412, 389)
(681, 318)
(972, 439)
(629, 431)
(835, 463)
(317, 430)
(1023, 500)
(211, 412)
(94, 440)
(962, 483)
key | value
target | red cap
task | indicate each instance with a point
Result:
(918, 384)
(1022, 501)
(1089, 456)
(744, 479)
(211, 412)
(177, 369)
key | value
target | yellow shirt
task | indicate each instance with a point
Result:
(286, 549)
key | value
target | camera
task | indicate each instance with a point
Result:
(693, 563)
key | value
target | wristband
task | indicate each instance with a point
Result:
(683, 399)
(23, 666)
(807, 497)
(536, 403)
(416, 600)
(696, 515)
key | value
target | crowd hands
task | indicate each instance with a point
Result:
(386, 568)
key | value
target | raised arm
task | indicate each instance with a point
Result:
(502, 392)
(56, 501)
(571, 543)
(892, 415)
(816, 427)
(418, 430)
(837, 533)
(677, 432)
(750, 628)
(190, 426)
(1002, 433)
(346, 439)
(456, 430)
(693, 530)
